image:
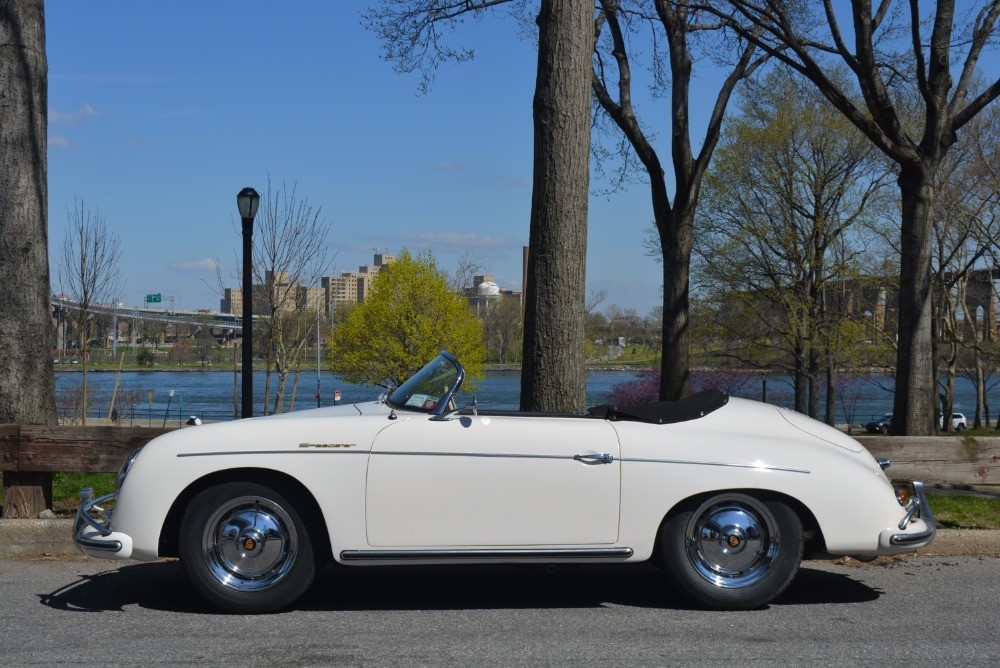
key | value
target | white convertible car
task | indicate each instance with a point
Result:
(726, 494)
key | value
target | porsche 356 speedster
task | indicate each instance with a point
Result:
(726, 494)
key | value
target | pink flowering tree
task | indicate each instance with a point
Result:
(646, 386)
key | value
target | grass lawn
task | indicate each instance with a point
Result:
(965, 512)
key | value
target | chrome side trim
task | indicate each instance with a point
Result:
(305, 451)
(700, 463)
(498, 555)
(493, 455)
(488, 455)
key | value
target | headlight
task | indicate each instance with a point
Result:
(123, 471)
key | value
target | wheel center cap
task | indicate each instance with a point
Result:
(251, 542)
(733, 539)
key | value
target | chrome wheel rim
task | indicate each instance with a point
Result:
(732, 542)
(249, 543)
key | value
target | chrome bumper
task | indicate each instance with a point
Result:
(92, 534)
(919, 508)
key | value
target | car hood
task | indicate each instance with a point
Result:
(345, 410)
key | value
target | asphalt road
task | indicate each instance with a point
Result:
(908, 612)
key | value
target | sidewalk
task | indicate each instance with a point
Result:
(26, 538)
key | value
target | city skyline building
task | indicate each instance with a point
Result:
(279, 293)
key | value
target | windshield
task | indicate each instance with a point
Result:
(430, 389)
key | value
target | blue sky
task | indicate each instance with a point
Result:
(160, 114)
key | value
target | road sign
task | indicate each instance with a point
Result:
(154, 299)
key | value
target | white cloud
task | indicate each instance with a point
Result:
(207, 264)
(79, 117)
(58, 141)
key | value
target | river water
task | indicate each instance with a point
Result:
(209, 394)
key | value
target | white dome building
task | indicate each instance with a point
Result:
(488, 289)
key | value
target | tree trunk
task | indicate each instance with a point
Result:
(27, 379)
(85, 360)
(913, 405)
(675, 367)
(948, 396)
(980, 389)
(553, 376)
(831, 394)
(799, 379)
(814, 369)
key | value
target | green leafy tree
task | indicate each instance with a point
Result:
(939, 68)
(407, 318)
(145, 357)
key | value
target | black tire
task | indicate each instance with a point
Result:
(245, 547)
(960, 427)
(883, 429)
(732, 551)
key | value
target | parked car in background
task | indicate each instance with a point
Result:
(958, 422)
(727, 494)
(881, 425)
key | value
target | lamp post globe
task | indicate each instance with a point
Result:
(247, 202)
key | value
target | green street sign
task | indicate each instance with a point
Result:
(154, 299)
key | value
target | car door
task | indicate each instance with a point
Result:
(508, 480)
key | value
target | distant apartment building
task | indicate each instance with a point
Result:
(353, 287)
(280, 294)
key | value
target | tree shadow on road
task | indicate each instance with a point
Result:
(163, 586)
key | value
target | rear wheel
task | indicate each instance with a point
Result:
(733, 551)
(245, 547)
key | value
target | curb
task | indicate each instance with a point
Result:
(25, 538)
(28, 538)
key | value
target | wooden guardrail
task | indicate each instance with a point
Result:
(949, 460)
(28, 450)
(40, 449)
(28, 453)
(32, 449)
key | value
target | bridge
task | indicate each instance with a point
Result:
(211, 319)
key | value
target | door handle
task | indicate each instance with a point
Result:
(603, 458)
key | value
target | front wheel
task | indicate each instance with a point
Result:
(733, 551)
(245, 547)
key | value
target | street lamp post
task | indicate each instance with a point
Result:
(247, 201)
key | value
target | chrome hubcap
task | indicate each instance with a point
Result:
(250, 543)
(732, 543)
